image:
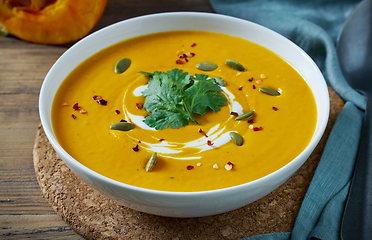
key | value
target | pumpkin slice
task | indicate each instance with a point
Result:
(50, 21)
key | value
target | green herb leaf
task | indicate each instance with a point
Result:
(173, 97)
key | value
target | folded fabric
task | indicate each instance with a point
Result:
(321, 211)
(314, 26)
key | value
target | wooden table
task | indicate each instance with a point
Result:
(24, 213)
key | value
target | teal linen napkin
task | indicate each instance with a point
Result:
(314, 26)
(321, 211)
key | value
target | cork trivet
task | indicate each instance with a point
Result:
(96, 217)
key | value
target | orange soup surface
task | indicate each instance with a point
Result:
(200, 156)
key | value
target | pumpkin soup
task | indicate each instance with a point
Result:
(184, 111)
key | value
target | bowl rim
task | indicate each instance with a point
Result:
(68, 159)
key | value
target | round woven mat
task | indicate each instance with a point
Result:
(96, 217)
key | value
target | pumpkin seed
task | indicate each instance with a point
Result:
(219, 81)
(122, 65)
(270, 91)
(151, 163)
(206, 66)
(235, 65)
(237, 139)
(245, 116)
(122, 126)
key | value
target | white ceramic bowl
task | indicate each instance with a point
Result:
(184, 204)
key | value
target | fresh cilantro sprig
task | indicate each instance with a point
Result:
(173, 97)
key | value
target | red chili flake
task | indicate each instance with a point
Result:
(102, 102)
(250, 79)
(139, 106)
(130, 120)
(180, 61)
(189, 167)
(96, 97)
(136, 149)
(251, 121)
(202, 132)
(76, 107)
(117, 112)
(139, 141)
(122, 120)
(240, 88)
(161, 139)
(229, 166)
(192, 54)
(209, 142)
(257, 129)
(254, 87)
(234, 114)
(193, 45)
(73, 116)
(230, 163)
(187, 60)
(275, 109)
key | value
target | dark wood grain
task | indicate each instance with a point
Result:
(24, 213)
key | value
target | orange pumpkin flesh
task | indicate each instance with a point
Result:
(50, 21)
